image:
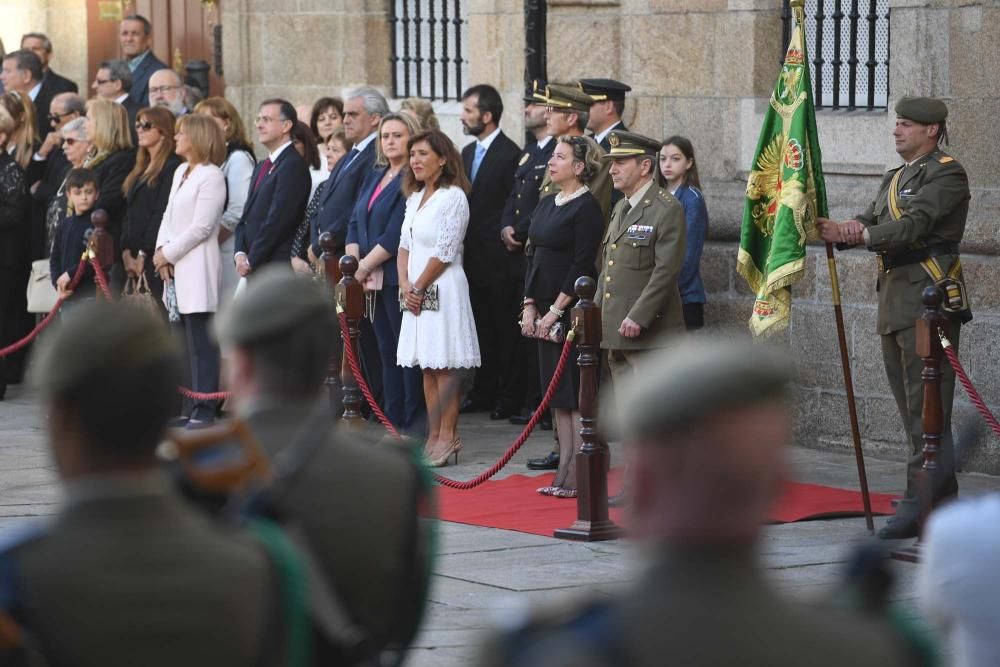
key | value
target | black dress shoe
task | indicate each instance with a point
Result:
(618, 500)
(898, 529)
(500, 413)
(469, 405)
(520, 419)
(545, 423)
(547, 462)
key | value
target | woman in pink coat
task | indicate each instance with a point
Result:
(187, 252)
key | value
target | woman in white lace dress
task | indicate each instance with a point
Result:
(437, 335)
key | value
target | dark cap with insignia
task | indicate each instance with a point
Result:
(601, 90)
(275, 301)
(567, 98)
(535, 93)
(683, 385)
(630, 144)
(924, 110)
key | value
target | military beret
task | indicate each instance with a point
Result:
(924, 110)
(567, 98)
(98, 340)
(275, 301)
(630, 144)
(681, 386)
(535, 93)
(604, 89)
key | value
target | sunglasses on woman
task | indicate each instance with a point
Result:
(70, 142)
(143, 125)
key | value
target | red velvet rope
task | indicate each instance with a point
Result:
(507, 456)
(198, 396)
(102, 280)
(14, 347)
(977, 400)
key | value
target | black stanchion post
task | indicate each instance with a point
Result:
(351, 299)
(592, 522)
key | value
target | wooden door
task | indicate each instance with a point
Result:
(183, 30)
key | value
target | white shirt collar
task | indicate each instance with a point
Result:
(277, 151)
(121, 98)
(635, 199)
(542, 143)
(33, 93)
(363, 144)
(600, 136)
(485, 143)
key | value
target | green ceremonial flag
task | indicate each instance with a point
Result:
(785, 191)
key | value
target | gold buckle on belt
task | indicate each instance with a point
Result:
(881, 263)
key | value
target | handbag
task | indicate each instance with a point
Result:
(42, 295)
(430, 301)
(555, 333)
(373, 281)
(137, 293)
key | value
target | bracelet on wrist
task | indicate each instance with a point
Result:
(528, 302)
(556, 311)
(416, 290)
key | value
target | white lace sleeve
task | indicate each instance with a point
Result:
(406, 232)
(453, 219)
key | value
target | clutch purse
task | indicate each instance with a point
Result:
(430, 301)
(373, 281)
(555, 334)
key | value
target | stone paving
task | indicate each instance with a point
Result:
(485, 575)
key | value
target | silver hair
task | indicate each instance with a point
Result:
(46, 42)
(119, 71)
(76, 128)
(374, 101)
(178, 81)
(72, 102)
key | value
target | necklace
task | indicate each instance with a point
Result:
(563, 199)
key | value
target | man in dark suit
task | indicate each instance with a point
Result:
(52, 84)
(136, 37)
(490, 163)
(363, 111)
(113, 81)
(22, 71)
(121, 521)
(531, 169)
(279, 190)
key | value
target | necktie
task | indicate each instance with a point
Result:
(626, 207)
(350, 158)
(477, 160)
(264, 169)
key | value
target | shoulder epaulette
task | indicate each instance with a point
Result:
(945, 159)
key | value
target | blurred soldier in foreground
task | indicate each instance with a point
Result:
(708, 422)
(126, 574)
(356, 505)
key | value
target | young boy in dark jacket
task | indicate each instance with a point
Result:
(72, 235)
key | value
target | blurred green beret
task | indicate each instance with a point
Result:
(681, 386)
(274, 302)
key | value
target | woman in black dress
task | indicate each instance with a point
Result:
(14, 230)
(147, 189)
(565, 233)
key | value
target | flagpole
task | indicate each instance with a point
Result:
(852, 408)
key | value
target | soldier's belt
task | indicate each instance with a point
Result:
(887, 262)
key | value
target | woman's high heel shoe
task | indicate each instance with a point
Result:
(454, 448)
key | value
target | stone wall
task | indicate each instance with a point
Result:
(61, 20)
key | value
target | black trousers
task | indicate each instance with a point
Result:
(501, 378)
(203, 361)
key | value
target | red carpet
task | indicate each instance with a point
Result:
(513, 504)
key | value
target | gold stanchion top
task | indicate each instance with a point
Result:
(797, 3)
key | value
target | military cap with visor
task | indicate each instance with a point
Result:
(630, 144)
(602, 90)
(275, 302)
(535, 93)
(570, 99)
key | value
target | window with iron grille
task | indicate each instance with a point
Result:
(429, 49)
(848, 44)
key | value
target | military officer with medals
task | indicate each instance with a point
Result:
(568, 111)
(642, 255)
(915, 225)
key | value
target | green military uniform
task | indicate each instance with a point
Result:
(571, 98)
(698, 604)
(641, 258)
(356, 504)
(920, 210)
(127, 573)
